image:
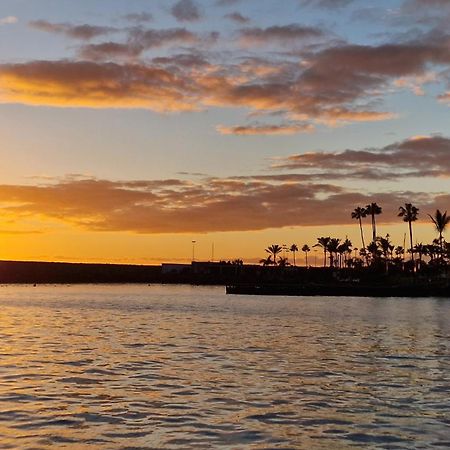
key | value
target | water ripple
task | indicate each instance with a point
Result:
(139, 367)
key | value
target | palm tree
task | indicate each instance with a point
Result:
(306, 249)
(409, 214)
(373, 210)
(344, 250)
(386, 248)
(399, 252)
(323, 242)
(440, 222)
(332, 248)
(283, 261)
(274, 249)
(358, 214)
(420, 249)
(266, 261)
(294, 249)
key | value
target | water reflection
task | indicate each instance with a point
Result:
(178, 367)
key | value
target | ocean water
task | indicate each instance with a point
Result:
(143, 367)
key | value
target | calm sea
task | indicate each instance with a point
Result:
(142, 367)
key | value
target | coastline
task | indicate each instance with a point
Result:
(238, 280)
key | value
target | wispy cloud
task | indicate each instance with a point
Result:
(8, 20)
(266, 129)
(83, 32)
(203, 205)
(237, 18)
(138, 18)
(422, 156)
(279, 34)
(327, 4)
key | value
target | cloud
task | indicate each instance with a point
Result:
(237, 17)
(107, 51)
(140, 40)
(265, 129)
(326, 4)
(279, 34)
(95, 85)
(227, 2)
(138, 18)
(205, 205)
(445, 98)
(20, 232)
(83, 32)
(154, 38)
(8, 20)
(186, 11)
(423, 156)
(338, 84)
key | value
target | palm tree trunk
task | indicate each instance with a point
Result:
(362, 233)
(411, 240)
(294, 258)
(374, 229)
(324, 257)
(306, 257)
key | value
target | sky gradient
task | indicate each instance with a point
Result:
(131, 128)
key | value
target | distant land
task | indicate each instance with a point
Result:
(30, 272)
(201, 273)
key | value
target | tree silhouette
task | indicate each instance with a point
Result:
(323, 242)
(283, 262)
(440, 221)
(306, 249)
(294, 249)
(332, 247)
(409, 214)
(266, 261)
(373, 210)
(358, 214)
(274, 250)
(344, 249)
(420, 249)
(386, 248)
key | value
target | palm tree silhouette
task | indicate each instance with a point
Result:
(358, 214)
(283, 261)
(420, 249)
(274, 249)
(266, 261)
(344, 249)
(373, 210)
(409, 214)
(294, 249)
(333, 246)
(440, 222)
(323, 242)
(386, 248)
(306, 249)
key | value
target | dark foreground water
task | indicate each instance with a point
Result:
(141, 367)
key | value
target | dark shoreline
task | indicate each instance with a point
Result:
(238, 279)
(412, 291)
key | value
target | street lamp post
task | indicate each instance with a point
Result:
(193, 250)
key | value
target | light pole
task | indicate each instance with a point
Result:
(193, 250)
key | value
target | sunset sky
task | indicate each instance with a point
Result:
(130, 128)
